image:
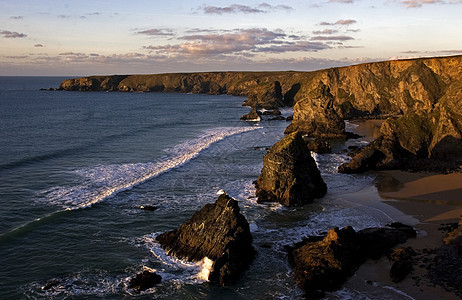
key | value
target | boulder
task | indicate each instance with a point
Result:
(315, 115)
(219, 232)
(325, 263)
(289, 175)
(319, 146)
(143, 281)
(403, 261)
(253, 115)
(274, 112)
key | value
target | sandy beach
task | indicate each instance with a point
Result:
(427, 201)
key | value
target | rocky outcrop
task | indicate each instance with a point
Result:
(417, 141)
(428, 90)
(402, 265)
(267, 96)
(144, 280)
(445, 267)
(253, 115)
(319, 146)
(219, 232)
(325, 263)
(315, 115)
(289, 175)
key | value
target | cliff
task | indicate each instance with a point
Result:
(427, 91)
(389, 87)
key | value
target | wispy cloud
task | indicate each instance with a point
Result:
(325, 31)
(85, 16)
(339, 22)
(12, 34)
(341, 1)
(420, 3)
(16, 56)
(157, 32)
(239, 8)
(332, 38)
(64, 16)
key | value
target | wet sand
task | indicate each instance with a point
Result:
(424, 200)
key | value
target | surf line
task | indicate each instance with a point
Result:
(141, 172)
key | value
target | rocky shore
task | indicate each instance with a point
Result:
(421, 100)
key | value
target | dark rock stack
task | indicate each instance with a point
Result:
(267, 96)
(219, 232)
(315, 115)
(253, 115)
(325, 263)
(445, 269)
(144, 281)
(319, 146)
(402, 263)
(289, 175)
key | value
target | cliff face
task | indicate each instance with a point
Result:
(390, 87)
(426, 91)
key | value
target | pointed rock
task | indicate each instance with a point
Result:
(219, 232)
(290, 175)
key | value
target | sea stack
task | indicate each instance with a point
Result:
(324, 263)
(289, 175)
(218, 232)
(316, 117)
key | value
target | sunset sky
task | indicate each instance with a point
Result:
(78, 38)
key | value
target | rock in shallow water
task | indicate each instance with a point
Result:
(289, 175)
(325, 263)
(144, 281)
(219, 232)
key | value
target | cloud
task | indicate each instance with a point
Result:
(96, 13)
(420, 3)
(332, 38)
(17, 57)
(237, 42)
(12, 34)
(157, 32)
(325, 31)
(17, 17)
(239, 8)
(38, 45)
(341, 1)
(64, 16)
(339, 22)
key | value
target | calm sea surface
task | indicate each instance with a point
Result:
(76, 166)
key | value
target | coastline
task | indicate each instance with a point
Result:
(425, 200)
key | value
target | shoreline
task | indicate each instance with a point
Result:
(425, 200)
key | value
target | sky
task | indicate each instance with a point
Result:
(101, 37)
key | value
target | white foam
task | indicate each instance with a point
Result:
(350, 126)
(103, 181)
(207, 265)
(177, 269)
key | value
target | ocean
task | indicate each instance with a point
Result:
(75, 167)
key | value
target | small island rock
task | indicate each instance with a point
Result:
(289, 175)
(219, 232)
(144, 281)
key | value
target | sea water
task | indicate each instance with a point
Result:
(75, 168)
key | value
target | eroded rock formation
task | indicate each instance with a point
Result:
(325, 263)
(426, 91)
(219, 232)
(315, 115)
(289, 175)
